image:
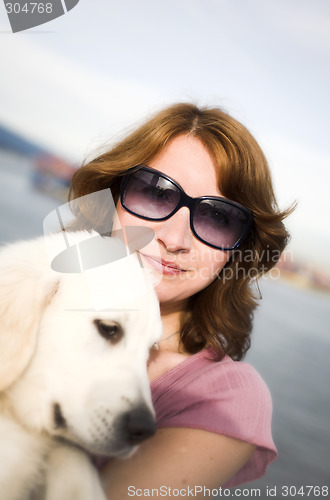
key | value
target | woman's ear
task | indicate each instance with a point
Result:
(27, 285)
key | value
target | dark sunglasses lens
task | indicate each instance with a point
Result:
(148, 194)
(220, 224)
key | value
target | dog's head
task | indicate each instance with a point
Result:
(68, 370)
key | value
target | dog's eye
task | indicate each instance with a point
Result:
(110, 330)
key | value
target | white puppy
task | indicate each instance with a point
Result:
(71, 378)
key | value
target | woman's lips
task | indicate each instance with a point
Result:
(163, 266)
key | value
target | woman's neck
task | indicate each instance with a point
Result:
(171, 317)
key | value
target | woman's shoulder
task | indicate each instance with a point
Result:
(203, 370)
(226, 397)
(202, 392)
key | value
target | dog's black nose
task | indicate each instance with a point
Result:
(139, 425)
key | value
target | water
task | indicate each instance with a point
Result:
(290, 348)
(22, 209)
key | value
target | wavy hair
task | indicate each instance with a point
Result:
(220, 315)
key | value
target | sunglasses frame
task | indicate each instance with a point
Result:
(185, 201)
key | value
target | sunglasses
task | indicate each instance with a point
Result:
(152, 195)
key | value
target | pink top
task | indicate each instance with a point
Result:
(226, 397)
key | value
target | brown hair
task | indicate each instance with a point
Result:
(220, 315)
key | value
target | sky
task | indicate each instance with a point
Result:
(83, 80)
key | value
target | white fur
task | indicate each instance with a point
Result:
(51, 353)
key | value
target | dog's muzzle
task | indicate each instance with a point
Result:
(137, 425)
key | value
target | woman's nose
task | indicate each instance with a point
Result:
(175, 232)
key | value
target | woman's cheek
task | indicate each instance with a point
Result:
(120, 218)
(211, 264)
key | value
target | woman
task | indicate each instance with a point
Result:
(199, 179)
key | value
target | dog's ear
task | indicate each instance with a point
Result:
(26, 286)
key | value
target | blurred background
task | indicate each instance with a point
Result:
(72, 87)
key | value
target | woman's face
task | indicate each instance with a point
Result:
(183, 264)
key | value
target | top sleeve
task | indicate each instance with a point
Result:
(225, 397)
